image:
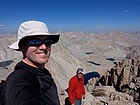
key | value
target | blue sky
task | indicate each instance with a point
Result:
(72, 15)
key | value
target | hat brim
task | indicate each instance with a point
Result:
(54, 38)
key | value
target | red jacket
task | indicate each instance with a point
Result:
(76, 89)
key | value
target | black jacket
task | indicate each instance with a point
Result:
(24, 87)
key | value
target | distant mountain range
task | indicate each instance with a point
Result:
(91, 51)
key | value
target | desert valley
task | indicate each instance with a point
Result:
(115, 56)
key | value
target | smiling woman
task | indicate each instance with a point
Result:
(28, 83)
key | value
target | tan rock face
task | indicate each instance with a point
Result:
(124, 77)
(107, 95)
(92, 52)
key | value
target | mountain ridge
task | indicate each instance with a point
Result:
(91, 51)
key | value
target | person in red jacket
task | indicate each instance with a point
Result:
(76, 90)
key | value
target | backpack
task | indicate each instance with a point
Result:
(2, 92)
(67, 102)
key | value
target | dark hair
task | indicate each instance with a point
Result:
(22, 42)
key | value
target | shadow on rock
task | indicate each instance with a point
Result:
(4, 64)
(110, 59)
(97, 64)
(90, 75)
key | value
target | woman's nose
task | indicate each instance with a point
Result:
(44, 46)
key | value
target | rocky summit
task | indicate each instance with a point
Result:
(114, 56)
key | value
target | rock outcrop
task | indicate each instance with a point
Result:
(102, 53)
(124, 77)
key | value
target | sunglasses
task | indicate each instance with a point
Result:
(80, 73)
(39, 42)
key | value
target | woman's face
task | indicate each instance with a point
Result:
(37, 55)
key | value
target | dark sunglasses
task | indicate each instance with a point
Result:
(80, 73)
(39, 42)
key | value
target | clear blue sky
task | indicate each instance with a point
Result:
(72, 15)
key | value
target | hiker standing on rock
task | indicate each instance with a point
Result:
(76, 90)
(31, 83)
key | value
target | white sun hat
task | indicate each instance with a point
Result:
(32, 28)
